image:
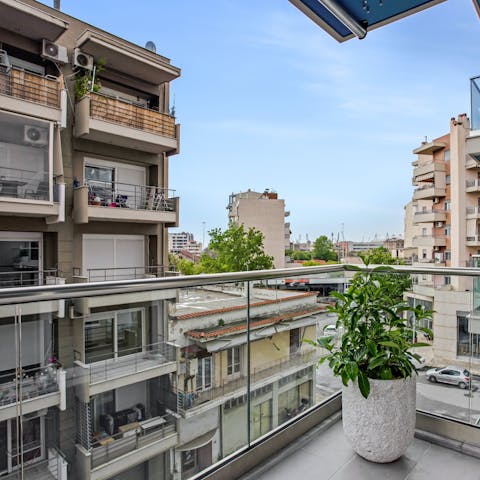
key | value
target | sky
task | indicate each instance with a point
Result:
(267, 99)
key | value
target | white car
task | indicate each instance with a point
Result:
(453, 375)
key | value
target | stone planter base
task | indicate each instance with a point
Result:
(381, 427)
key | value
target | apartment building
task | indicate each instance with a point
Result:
(85, 143)
(185, 241)
(209, 388)
(265, 212)
(442, 229)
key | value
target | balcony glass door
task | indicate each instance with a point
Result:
(114, 335)
(204, 374)
(20, 259)
(100, 184)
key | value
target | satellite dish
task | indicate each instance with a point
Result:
(151, 46)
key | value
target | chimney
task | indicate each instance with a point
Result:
(56, 4)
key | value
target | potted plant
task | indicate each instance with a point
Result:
(373, 357)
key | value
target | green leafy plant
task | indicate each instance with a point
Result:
(376, 338)
(85, 82)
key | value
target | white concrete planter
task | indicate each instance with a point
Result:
(381, 427)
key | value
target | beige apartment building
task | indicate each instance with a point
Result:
(265, 212)
(442, 229)
(85, 143)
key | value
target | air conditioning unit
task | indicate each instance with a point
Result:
(33, 135)
(436, 200)
(4, 60)
(82, 60)
(53, 51)
(439, 224)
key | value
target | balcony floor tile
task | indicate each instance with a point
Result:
(328, 456)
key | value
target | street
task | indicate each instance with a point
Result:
(437, 398)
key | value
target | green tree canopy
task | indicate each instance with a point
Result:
(380, 256)
(323, 249)
(235, 250)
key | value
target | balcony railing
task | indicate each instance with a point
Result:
(124, 273)
(28, 384)
(31, 87)
(111, 109)
(290, 383)
(29, 277)
(102, 367)
(124, 195)
(25, 184)
(298, 361)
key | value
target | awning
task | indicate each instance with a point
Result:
(30, 21)
(197, 442)
(128, 59)
(345, 19)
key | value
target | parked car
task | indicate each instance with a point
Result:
(329, 330)
(418, 364)
(450, 374)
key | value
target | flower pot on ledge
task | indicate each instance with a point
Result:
(381, 427)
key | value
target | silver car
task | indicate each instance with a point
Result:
(452, 375)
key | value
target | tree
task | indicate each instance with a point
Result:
(235, 250)
(380, 256)
(323, 249)
(300, 255)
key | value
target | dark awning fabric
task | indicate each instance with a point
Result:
(345, 19)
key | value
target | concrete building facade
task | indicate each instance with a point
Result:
(442, 230)
(266, 213)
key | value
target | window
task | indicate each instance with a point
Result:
(448, 179)
(448, 280)
(447, 230)
(468, 344)
(424, 253)
(424, 232)
(204, 374)
(113, 334)
(446, 155)
(24, 157)
(448, 255)
(447, 205)
(294, 340)
(233, 360)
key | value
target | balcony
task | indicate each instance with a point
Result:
(29, 193)
(121, 202)
(473, 213)
(29, 277)
(427, 171)
(189, 403)
(109, 120)
(473, 241)
(430, 216)
(54, 468)
(429, 241)
(30, 94)
(427, 192)
(451, 418)
(135, 443)
(130, 366)
(472, 186)
(36, 388)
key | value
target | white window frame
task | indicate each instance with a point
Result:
(234, 367)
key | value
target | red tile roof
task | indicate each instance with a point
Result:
(237, 328)
(206, 313)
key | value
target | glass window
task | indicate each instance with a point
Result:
(448, 255)
(446, 155)
(233, 360)
(204, 374)
(467, 344)
(129, 332)
(475, 99)
(24, 157)
(100, 184)
(448, 280)
(448, 179)
(99, 341)
(447, 205)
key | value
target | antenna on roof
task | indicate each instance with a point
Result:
(149, 45)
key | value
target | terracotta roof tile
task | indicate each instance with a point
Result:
(187, 316)
(237, 328)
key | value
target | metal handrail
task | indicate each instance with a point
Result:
(79, 290)
(128, 195)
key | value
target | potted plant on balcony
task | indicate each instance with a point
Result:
(374, 359)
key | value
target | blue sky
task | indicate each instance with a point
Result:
(268, 100)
